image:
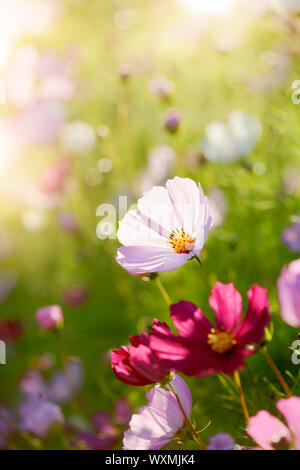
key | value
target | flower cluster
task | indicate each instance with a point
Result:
(168, 229)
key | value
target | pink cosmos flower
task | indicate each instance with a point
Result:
(272, 434)
(169, 228)
(49, 318)
(137, 365)
(160, 420)
(288, 287)
(202, 348)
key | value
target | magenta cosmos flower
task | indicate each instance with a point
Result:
(202, 348)
(288, 287)
(272, 434)
(169, 228)
(137, 365)
(160, 420)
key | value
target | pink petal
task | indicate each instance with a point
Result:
(148, 259)
(290, 410)
(138, 229)
(189, 320)
(288, 293)
(226, 303)
(146, 364)
(190, 205)
(133, 442)
(251, 328)
(183, 393)
(263, 428)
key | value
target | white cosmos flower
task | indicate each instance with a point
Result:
(231, 140)
(169, 228)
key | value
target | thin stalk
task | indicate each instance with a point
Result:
(203, 272)
(276, 372)
(187, 420)
(253, 381)
(237, 380)
(163, 291)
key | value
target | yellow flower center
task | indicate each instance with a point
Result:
(221, 341)
(180, 241)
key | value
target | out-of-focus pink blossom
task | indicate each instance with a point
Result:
(270, 433)
(39, 124)
(75, 296)
(157, 423)
(54, 177)
(161, 87)
(50, 318)
(288, 288)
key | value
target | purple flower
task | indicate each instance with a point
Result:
(5, 428)
(60, 387)
(221, 441)
(291, 237)
(172, 120)
(67, 222)
(159, 421)
(49, 318)
(107, 427)
(63, 384)
(40, 416)
(288, 288)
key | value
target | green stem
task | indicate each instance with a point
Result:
(187, 420)
(237, 380)
(203, 272)
(276, 372)
(163, 291)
